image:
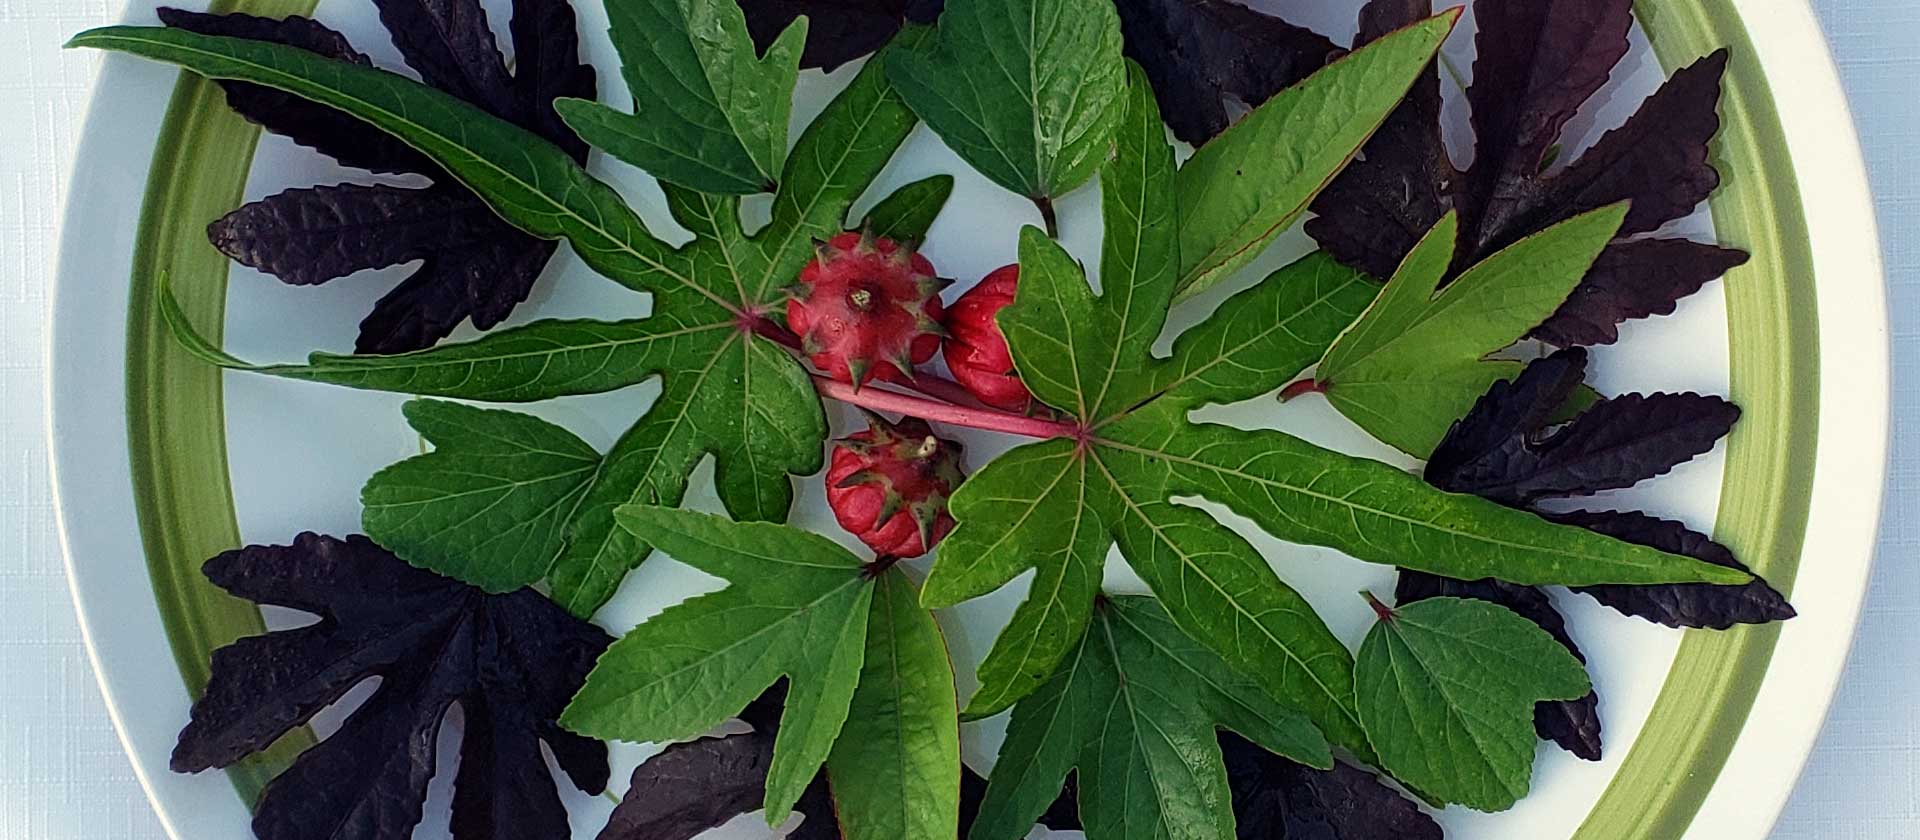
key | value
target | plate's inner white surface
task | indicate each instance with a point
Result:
(300, 452)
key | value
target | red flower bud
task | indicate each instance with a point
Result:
(889, 486)
(867, 307)
(976, 350)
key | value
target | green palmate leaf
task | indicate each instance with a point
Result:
(1447, 688)
(1058, 506)
(724, 391)
(1027, 91)
(1251, 183)
(796, 606)
(1134, 709)
(907, 214)
(709, 113)
(1417, 360)
(488, 505)
(896, 768)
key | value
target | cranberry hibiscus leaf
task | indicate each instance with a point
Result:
(1447, 688)
(1057, 506)
(838, 31)
(510, 661)
(1418, 358)
(473, 264)
(710, 112)
(1133, 707)
(1538, 62)
(869, 689)
(1199, 52)
(726, 391)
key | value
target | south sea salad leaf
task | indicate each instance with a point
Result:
(870, 693)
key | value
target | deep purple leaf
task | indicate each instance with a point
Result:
(1658, 159)
(511, 661)
(1198, 53)
(450, 44)
(1510, 410)
(1573, 724)
(1634, 279)
(483, 282)
(1680, 605)
(838, 31)
(323, 129)
(1276, 799)
(312, 235)
(692, 787)
(1539, 62)
(473, 265)
(1381, 204)
(1617, 443)
(547, 66)
(1535, 62)
(1502, 451)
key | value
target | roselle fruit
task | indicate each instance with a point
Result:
(889, 485)
(867, 307)
(976, 350)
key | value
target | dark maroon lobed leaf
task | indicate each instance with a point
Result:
(838, 31)
(1634, 279)
(325, 130)
(690, 788)
(1684, 605)
(547, 66)
(1380, 205)
(1538, 62)
(310, 236)
(1501, 450)
(1276, 799)
(1573, 724)
(1658, 159)
(511, 661)
(1535, 62)
(450, 44)
(474, 266)
(1197, 53)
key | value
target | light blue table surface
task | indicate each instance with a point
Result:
(63, 777)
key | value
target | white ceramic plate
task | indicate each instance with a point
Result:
(1713, 724)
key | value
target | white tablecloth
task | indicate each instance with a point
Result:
(63, 777)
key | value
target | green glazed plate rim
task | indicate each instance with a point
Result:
(1786, 456)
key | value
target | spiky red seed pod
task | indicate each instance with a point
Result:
(889, 486)
(976, 350)
(867, 307)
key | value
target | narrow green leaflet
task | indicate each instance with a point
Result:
(489, 503)
(709, 112)
(1251, 183)
(725, 392)
(1417, 360)
(907, 214)
(896, 768)
(1134, 708)
(1447, 688)
(1058, 506)
(1026, 91)
(796, 606)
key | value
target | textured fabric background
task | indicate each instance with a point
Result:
(63, 777)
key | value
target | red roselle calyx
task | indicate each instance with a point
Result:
(976, 350)
(867, 307)
(889, 485)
